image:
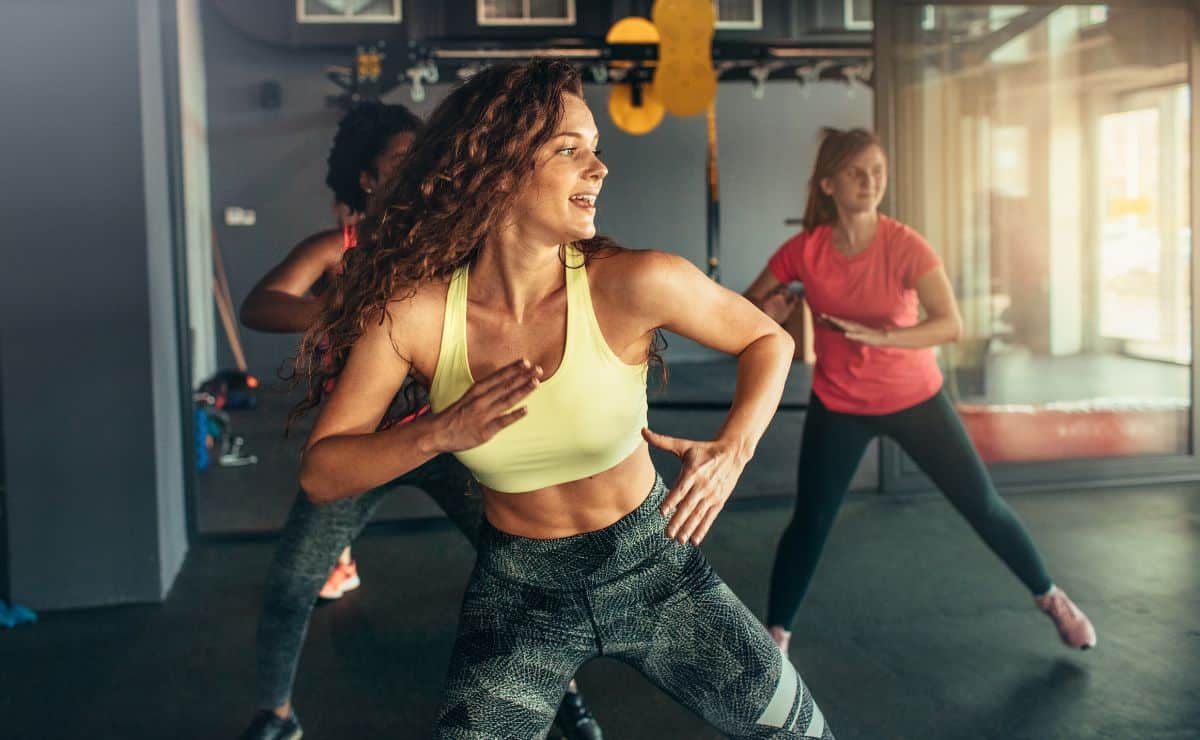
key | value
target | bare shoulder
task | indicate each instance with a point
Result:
(634, 276)
(625, 260)
(325, 247)
(414, 310)
(634, 270)
(315, 257)
(416, 319)
(325, 240)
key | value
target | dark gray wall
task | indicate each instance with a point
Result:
(274, 162)
(84, 486)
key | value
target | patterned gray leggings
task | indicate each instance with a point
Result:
(536, 610)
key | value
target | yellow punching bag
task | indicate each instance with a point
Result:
(685, 80)
(634, 117)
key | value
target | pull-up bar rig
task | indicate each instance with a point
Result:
(376, 72)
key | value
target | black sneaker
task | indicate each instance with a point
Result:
(575, 720)
(268, 726)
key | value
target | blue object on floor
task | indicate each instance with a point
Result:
(11, 616)
(201, 435)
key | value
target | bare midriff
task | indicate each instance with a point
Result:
(567, 509)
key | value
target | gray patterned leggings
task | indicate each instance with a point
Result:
(311, 541)
(536, 610)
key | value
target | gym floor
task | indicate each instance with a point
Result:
(912, 630)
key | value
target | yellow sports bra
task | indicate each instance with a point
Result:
(582, 420)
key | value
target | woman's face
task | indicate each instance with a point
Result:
(387, 162)
(558, 205)
(860, 184)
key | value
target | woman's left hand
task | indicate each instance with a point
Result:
(858, 332)
(710, 471)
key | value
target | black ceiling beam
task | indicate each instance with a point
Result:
(438, 60)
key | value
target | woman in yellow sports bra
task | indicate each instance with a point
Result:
(481, 272)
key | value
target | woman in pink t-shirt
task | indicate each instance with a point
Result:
(864, 276)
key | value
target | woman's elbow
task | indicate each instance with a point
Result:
(248, 314)
(787, 340)
(780, 342)
(954, 329)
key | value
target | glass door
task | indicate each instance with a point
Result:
(1145, 235)
(1044, 150)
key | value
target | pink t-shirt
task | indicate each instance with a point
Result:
(876, 287)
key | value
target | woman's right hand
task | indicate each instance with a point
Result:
(778, 303)
(484, 409)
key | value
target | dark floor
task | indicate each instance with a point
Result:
(912, 630)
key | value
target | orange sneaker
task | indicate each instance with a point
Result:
(343, 578)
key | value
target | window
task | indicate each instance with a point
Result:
(860, 16)
(738, 14)
(1144, 226)
(348, 11)
(1058, 194)
(1095, 15)
(1018, 49)
(525, 12)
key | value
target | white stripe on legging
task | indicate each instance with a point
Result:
(816, 720)
(816, 723)
(777, 711)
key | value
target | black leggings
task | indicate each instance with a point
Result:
(934, 437)
(312, 539)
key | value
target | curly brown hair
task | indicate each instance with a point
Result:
(475, 154)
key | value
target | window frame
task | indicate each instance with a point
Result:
(525, 20)
(751, 25)
(396, 16)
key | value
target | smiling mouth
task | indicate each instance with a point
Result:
(584, 201)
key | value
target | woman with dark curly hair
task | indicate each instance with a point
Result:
(482, 274)
(370, 142)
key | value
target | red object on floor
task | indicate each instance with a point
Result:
(1091, 429)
